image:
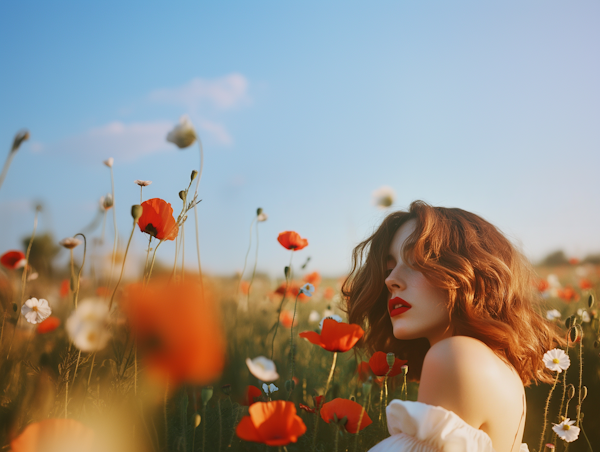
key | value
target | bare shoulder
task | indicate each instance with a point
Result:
(458, 374)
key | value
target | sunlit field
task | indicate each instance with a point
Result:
(176, 359)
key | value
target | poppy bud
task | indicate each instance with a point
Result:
(286, 271)
(570, 391)
(259, 211)
(14, 306)
(193, 176)
(226, 389)
(591, 300)
(197, 419)
(21, 135)
(290, 385)
(183, 195)
(570, 321)
(207, 394)
(136, 212)
(583, 393)
(366, 386)
(390, 358)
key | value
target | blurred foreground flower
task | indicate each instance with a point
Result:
(178, 330)
(380, 366)
(291, 240)
(157, 220)
(183, 134)
(556, 360)
(566, 430)
(13, 259)
(585, 317)
(335, 336)
(88, 326)
(271, 423)
(339, 409)
(383, 197)
(553, 314)
(286, 318)
(109, 162)
(54, 435)
(106, 202)
(36, 311)
(262, 368)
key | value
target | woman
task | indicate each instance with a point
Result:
(446, 290)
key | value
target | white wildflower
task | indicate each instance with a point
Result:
(109, 162)
(269, 389)
(70, 242)
(553, 314)
(142, 183)
(262, 217)
(262, 368)
(307, 289)
(183, 134)
(106, 202)
(314, 317)
(556, 360)
(88, 326)
(566, 430)
(585, 316)
(36, 311)
(335, 317)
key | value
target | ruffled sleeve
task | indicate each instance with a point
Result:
(418, 427)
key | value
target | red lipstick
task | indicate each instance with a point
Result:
(397, 306)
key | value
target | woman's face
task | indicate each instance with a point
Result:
(416, 307)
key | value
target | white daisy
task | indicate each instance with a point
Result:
(36, 311)
(142, 183)
(553, 314)
(88, 326)
(566, 430)
(556, 360)
(262, 368)
(307, 289)
(183, 134)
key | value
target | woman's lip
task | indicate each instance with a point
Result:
(399, 310)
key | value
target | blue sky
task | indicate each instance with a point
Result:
(304, 110)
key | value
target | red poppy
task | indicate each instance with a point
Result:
(307, 408)
(380, 367)
(177, 329)
(157, 220)
(543, 285)
(318, 401)
(293, 290)
(335, 336)
(271, 423)
(585, 283)
(64, 288)
(573, 261)
(568, 294)
(286, 319)
(329, 293)
(348, 409)
(252, 395)
(364, 371)
(48, 325)
(13, 259)
(313, 278)
(64, 435)
(292, 241)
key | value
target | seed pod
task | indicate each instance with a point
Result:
(570, 391)
(207, 394)
(290, 385)
(197, 420)
(193, 176)
(182, 195)
(575, 333)
(286, 271)
(259, 211)
(21, 135)
(14, 306)
(136, 212)
(390, 358)
(226, 389)
(591, 300)
(366, 386)
(570, 321)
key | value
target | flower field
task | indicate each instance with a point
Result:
(181, 360)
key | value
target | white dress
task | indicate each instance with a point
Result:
(418, 427)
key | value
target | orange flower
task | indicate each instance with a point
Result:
(178, 330)
(314, 278)
(568, 294)
(335, 336)
(286, 318)
(329, 293)
(348, 409)
(103, 291)
(48, 325)
(380, 367)
(245, 287)
(573, 261)
(271, 423)
(50, 435)
(364, 371)
(13, 259)
(252, 395)
(157, 220)
(292, 241)
(585, 284)
(543, 285)
(64, 288)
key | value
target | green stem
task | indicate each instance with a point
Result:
(288, 278)
(76, 295)
(9, 158)
(196, 212)
(152, 263)
(112, 297)
(580, 378)
(114, 210)
(546, 412)
(324, 398)
(246, 258)
(255, 264)
(292, 343)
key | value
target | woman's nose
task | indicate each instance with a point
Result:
(394, 281)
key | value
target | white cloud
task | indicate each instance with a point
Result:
(218, 131)
(225, 93)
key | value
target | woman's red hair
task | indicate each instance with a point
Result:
(488, 282)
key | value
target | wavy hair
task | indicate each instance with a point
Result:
(488, 282)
